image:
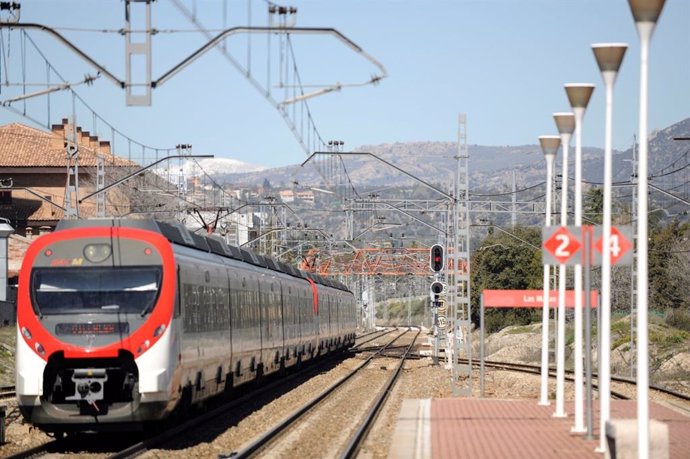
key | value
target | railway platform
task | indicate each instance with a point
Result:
(489, 428)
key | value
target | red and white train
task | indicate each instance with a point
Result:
(121, 321)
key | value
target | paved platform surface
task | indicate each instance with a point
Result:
(486, 428)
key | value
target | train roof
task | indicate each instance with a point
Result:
(177, 233)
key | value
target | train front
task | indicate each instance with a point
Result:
(96, 346)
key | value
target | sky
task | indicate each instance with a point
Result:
(502, 62)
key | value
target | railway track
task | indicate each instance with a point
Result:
(134, 449)
(616, 394)
(377, 334)
(7, 392)
(36, 451)
(527, 368)
(173, 435)
(332, 403)
(79, 443)
(393, 349)
(535, 369)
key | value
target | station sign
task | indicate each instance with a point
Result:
(566, 245)
(621, 242)
(531, 298)
(561, 245)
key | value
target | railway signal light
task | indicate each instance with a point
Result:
(436, 258)
(436, 290)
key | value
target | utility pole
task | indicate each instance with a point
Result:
(182, 149)
(633, 268)
(513, 215)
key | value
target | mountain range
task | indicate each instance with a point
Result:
(491, 167)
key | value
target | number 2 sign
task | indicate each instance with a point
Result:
(561, 244)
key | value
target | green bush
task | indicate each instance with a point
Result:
(677, 318)
(497, 319)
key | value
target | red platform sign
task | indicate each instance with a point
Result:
(531, 298)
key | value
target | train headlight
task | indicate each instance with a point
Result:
(159, 331)
(97, 253)
(40, 349)
(26, 333)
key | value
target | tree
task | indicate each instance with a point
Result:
(669, 266)
(504, 261)
(594, 205)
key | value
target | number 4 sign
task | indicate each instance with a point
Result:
(621, 245)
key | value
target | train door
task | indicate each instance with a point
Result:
(229, 374)
(324, 318)
(215, 338)
(272, 323)
(191, 277)
(291, 318)
(308, 330)
(245, 318)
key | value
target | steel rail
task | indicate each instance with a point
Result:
(260, 443)
(534, 369)
(385, 332)
(357, 440)
(620, 379)
(33, 452)
(7, 390)
(141, 447)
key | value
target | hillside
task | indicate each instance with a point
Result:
(491, 167)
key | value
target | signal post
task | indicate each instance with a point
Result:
(436, 260)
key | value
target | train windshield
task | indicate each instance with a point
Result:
(103, 290)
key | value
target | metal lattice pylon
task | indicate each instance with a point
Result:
(72, 186)
(459, 273)
(135, 49)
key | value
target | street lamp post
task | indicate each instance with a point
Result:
(646, 13)
(609, 57)
(549, 145)
(579, 95)
(565, 122)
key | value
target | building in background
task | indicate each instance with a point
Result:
(33, 179)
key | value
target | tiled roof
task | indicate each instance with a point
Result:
(24, 146)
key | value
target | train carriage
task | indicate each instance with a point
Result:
(121, 321)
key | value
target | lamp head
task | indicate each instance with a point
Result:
(565, 122)
(646, 10)
(579, 94)
(609, 56)
(549, 145)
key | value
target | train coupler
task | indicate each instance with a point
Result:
(88, 383)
